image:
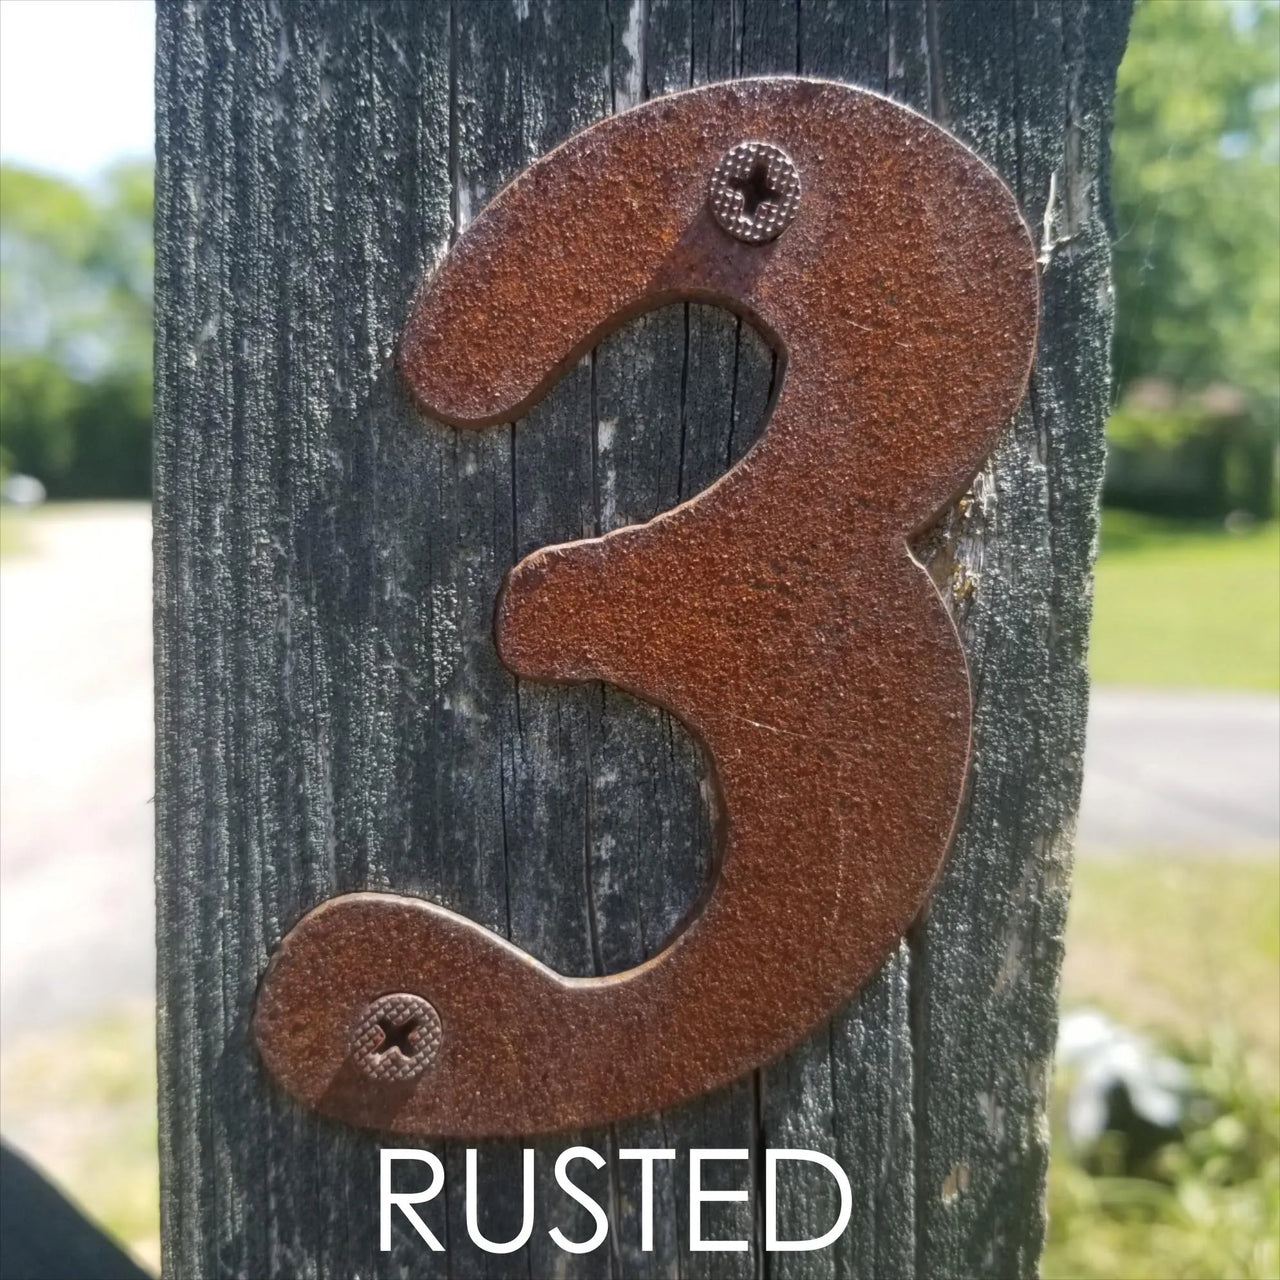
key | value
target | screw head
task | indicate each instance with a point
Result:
(397, 1038)
(754, 192)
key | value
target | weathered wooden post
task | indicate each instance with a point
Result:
(333, 716)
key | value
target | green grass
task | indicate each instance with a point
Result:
(85, 1100)
(13, 532)
(1186, 951)
(1186, 605)
(1178, 946)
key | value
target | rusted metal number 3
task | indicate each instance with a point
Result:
(779, 614)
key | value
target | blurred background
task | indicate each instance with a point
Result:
(1167, 1108)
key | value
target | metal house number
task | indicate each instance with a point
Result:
(779, 614)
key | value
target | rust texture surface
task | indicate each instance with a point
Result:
(779, 613)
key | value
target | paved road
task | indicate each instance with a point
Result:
(76, 765)
(1171, 771)
(1181, 771)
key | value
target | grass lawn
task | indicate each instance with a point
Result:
(1178, 946)
(12, 531)
(1186, 950)
(1186, 605)
(84, 1099)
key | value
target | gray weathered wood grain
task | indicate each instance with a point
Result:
(331, 713)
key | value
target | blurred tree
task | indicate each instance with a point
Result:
(75, 330)
(1196, 190)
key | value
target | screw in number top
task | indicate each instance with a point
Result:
(754, 192)
(397, 1037)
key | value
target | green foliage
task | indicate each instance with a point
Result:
(37, 399)
(1184, 950)
(1196, 190)
(1184, 459)
(1206, 1205)
(1196, 194)
(75, 327)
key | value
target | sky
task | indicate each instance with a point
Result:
(76, 83)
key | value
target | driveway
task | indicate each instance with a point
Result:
(1164, 771)
(77, 908)
(1176, 771)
